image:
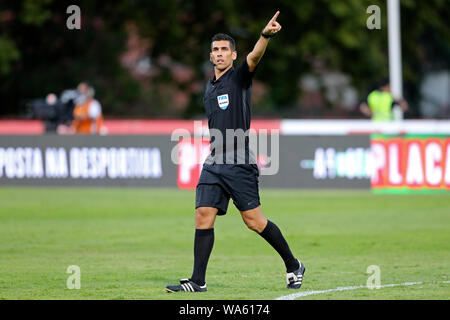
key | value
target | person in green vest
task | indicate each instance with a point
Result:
(380, 103)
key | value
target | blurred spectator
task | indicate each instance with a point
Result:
(51, 101)
(380, 103)
(87, 114)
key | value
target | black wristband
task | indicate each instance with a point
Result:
(267, 36)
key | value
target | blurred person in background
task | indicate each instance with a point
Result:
(380, 103)
(52, 101)
(87, 114)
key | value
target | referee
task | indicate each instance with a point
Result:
(231, 172)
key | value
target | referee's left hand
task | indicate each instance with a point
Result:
(273, 26)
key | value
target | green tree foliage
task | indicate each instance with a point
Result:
(8, 54)
(38, 54)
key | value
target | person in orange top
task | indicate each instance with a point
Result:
(88, 118)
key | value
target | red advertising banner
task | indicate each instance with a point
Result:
(192, 152)
(410, 163)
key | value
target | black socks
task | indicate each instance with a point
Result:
(203, 244)
(273, 236)
(204, 241)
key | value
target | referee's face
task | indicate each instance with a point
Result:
(222, 55)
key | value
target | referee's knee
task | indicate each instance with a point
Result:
(254, 219)
(205, 217)
(252, 225)
(256, 225)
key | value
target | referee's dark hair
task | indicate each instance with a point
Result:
(223, 36)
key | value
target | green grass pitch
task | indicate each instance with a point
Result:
(130, 243)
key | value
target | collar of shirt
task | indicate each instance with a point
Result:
(213, 79)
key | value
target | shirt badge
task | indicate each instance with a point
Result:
(223, 101)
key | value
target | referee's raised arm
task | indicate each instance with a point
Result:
(268, 32)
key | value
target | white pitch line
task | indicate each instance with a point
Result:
(311, 292)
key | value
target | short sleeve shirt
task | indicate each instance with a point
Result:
(381, 103)
(227, 105)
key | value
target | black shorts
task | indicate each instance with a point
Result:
(219, 182)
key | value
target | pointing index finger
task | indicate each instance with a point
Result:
(275, 16)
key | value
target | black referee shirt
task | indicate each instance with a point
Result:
(227, 106)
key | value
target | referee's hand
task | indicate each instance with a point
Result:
(273, 26)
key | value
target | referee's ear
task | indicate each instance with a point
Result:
(234, 55)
